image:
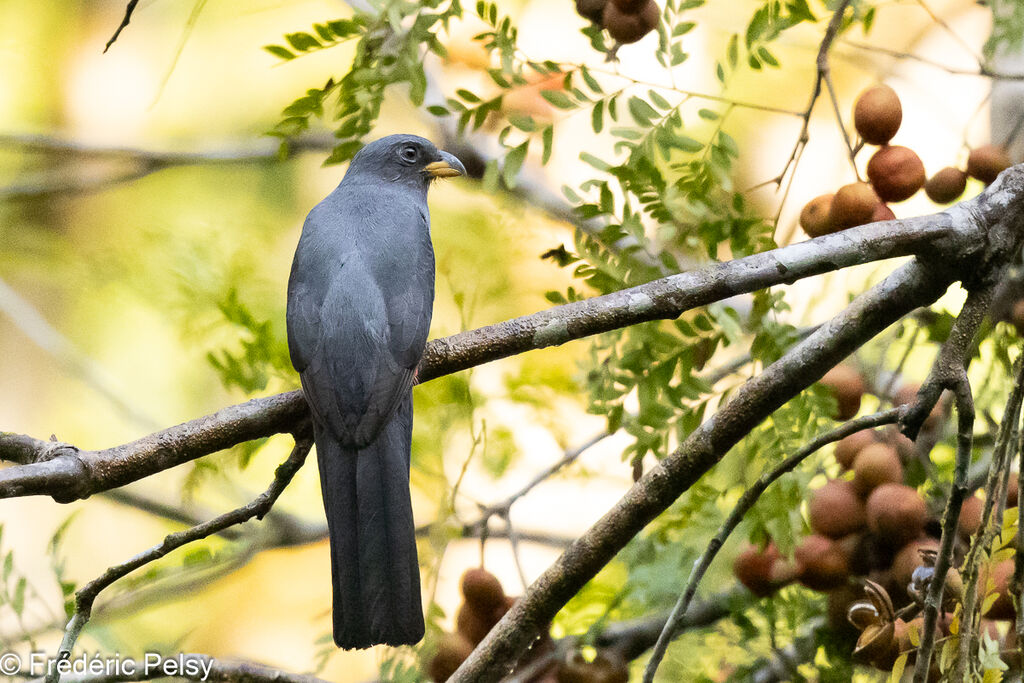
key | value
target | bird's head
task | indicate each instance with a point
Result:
(406, 159)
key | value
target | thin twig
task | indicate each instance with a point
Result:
(743, 505)
(991, 524)
(259, 507)
(129, 10)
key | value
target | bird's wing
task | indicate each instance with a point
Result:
(357, 324)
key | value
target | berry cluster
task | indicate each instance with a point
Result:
(484, 604)
(874, 535)
(895, 173)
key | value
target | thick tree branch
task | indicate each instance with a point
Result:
(68, 473)
(912, 285)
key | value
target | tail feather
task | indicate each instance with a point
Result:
(374, 567)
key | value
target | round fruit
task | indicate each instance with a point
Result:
(848, 448)
(896, 173)
(896, 514)
(986, 162)
(1017, 316)
(853, 205)
(629, 27)
(908, 559)
(590, 9)
(848, 388)
(1013, 490)
(907, 394)
(452, 651)
(473, 624)
(877, 114)
(629, 6)
(946, 186)
(606, 667)
(821, 564)
(482, 590)
(835, 509)
(875, 465)
(882, 212)
(761, 570)
(814, 218)
(970, 516)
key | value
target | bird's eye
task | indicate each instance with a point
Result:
(409, 153)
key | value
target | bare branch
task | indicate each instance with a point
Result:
(68, 473)
(910, 286)
(128, 11)
(259, 507)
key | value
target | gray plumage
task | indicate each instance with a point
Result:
(359, 305)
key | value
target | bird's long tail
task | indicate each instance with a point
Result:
(374, 568)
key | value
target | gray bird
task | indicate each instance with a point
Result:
(359, 304)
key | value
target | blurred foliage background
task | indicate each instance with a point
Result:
(148, 223)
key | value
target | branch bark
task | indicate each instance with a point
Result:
(68, 473)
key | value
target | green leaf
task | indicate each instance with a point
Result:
(589, 158)
(734, 50)
(547, 138)
(659, 101)
(513, 163)
(557, 98)
(279, 51)
(303, 42)
(18, 600)
(438, 110)
(597, 117)
(641, 111)
(591, 82)
(467, 95)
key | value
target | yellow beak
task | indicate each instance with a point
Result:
(448, 167)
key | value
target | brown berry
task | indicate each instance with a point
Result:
(606, 667)
(882, 212)
(814, 217)
(482, 589)
(590, 9)
(908, 559)
(848, 448)
(848, 388)
(835, 509)
(452, 651)
(629, 6)
(969, 522)
(946, 186)
(761, 570)
(986, 162)
(877, 114)
(629, 27)
(472, 623)
(1013, 490)
(896, 173)
(875, 465)
(896, 514)
(821, 563)
(1017, 316)
(853, 205)
(907, 394)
